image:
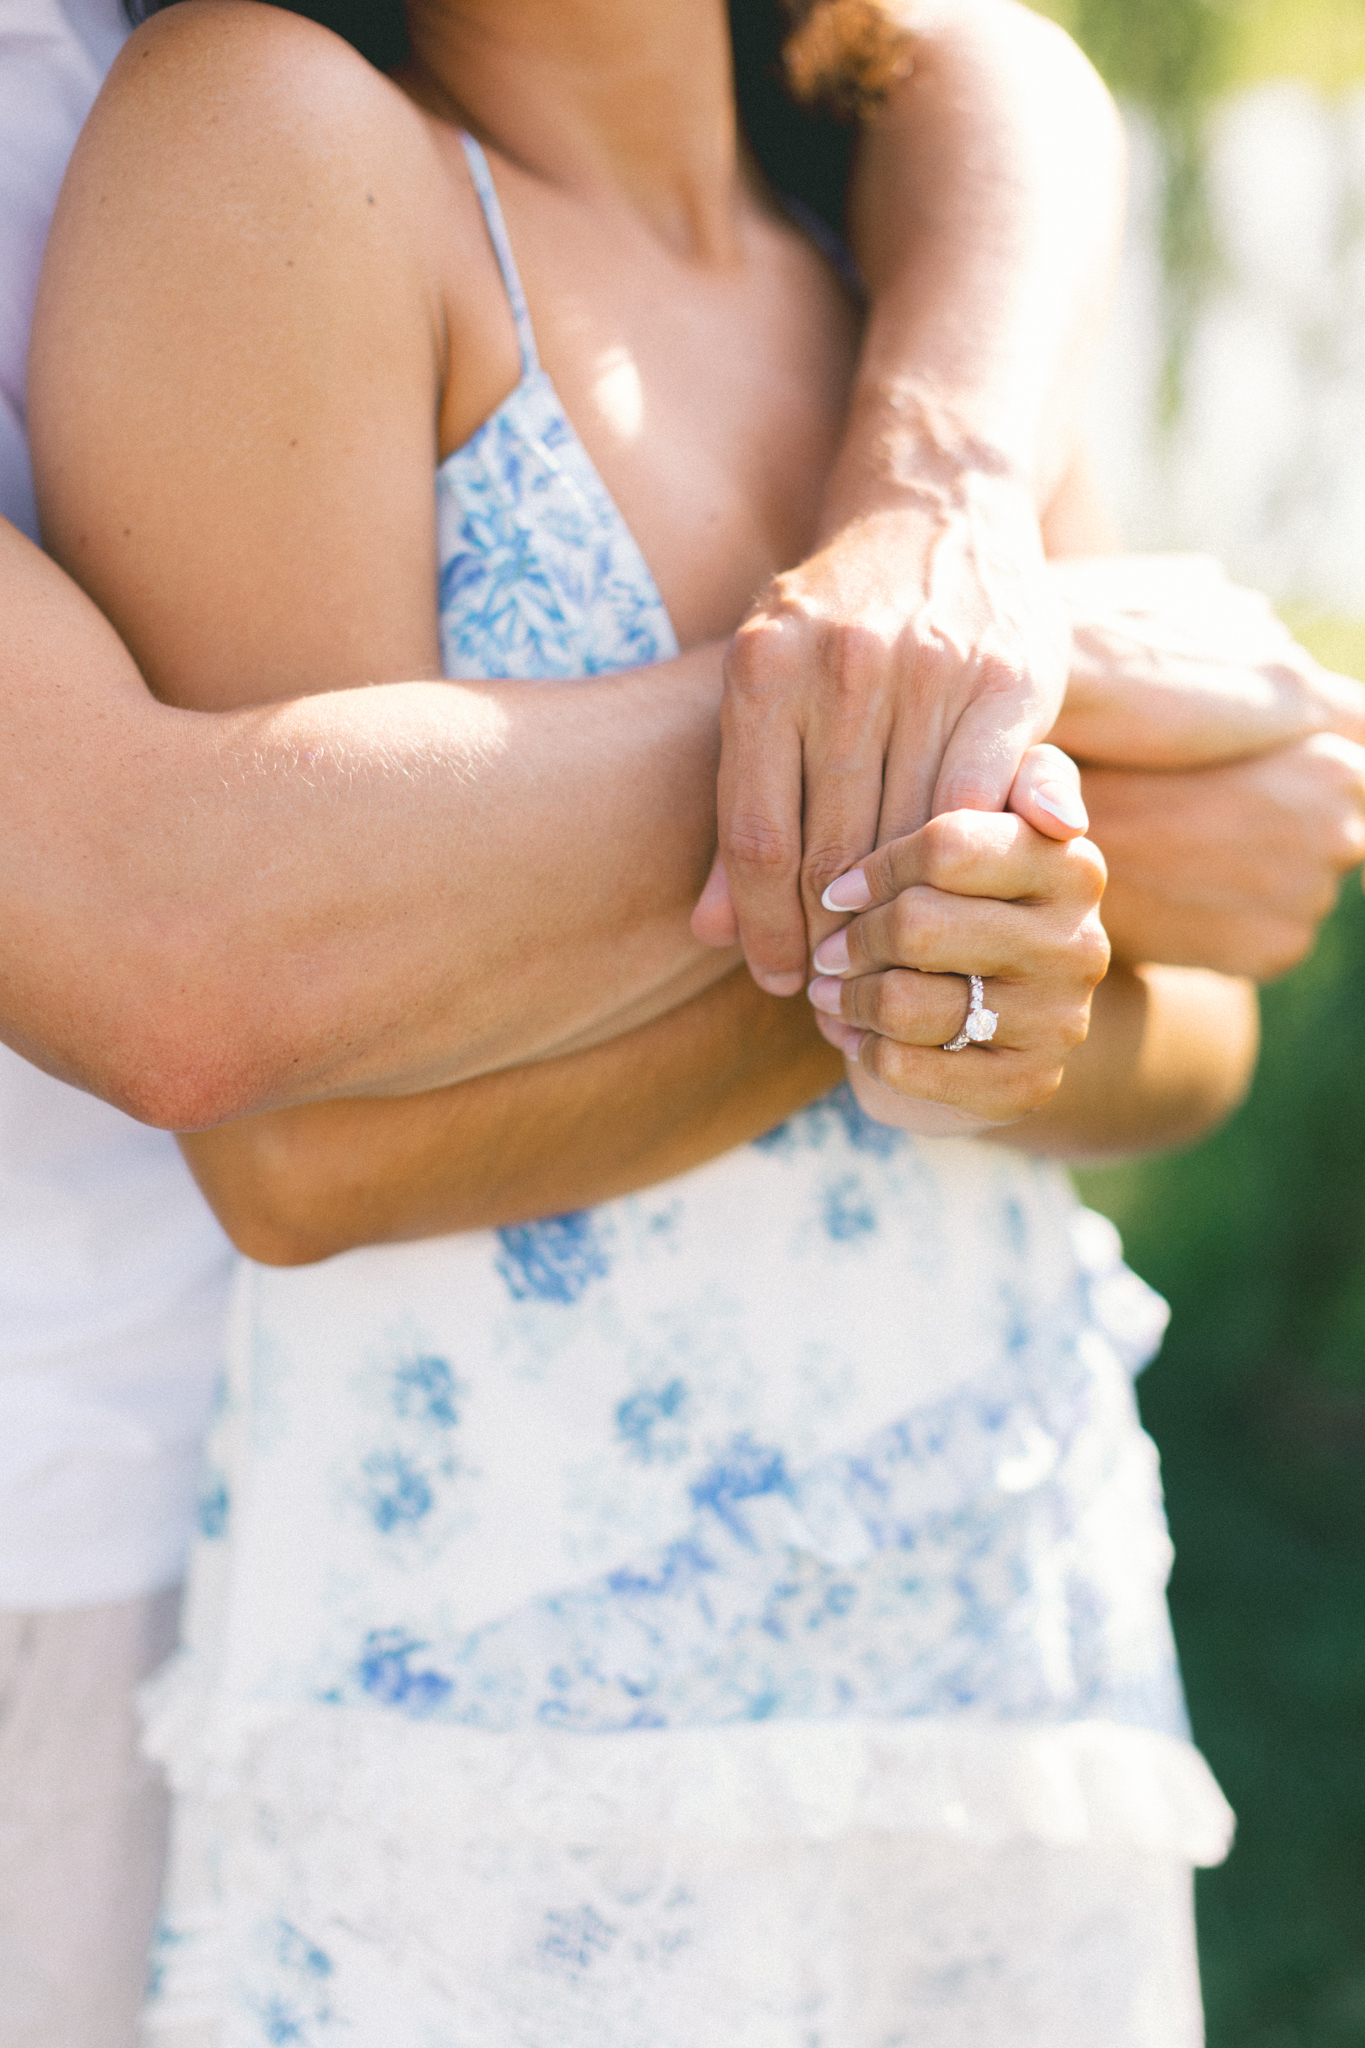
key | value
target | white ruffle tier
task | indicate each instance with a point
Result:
(809, 1883)
(375, 1774)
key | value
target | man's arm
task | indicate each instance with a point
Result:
(1217, 859)
(207, 914)
(233, 441)
(907, 665)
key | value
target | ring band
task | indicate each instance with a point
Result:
(979, 1028)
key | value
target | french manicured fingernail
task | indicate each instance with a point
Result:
(779, 984)
(827, 994)
(1062, 803)
(848, 892)
(831, 955)
(842, 1037)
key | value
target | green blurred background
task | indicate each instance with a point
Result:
(1258, 1241)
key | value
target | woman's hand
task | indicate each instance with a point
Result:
(971, 892)
(1232, 867)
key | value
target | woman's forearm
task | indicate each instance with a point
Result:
(305, 1184)
(1170, 1055)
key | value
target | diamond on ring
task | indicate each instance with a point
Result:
(979, 1028)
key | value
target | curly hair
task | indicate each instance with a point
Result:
(845, 55)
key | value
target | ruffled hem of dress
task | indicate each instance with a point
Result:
(962, 1777)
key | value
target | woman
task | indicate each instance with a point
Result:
(736, 1612)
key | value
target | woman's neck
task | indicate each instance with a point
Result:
(631, 99)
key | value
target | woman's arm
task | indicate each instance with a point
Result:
(306, 1183)
(1170, 1055)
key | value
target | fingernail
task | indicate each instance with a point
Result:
(831, 955)
(848, 892)
(779, 984)
(827, 994)
(1062, 803)
(842, 1037)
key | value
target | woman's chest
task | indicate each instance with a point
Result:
(713, 419)
(708, 398)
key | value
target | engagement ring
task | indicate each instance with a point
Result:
(979, 1028)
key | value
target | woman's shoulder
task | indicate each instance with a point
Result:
(235, 351)
(246, 181)
(219, 58)
(216, 100)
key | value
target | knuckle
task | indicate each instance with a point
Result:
(945, 851)
(758, 844)
(917, 926)
(1087, 869)
(893, 1005)
(906, 923)
(1073, 1026)
(896, 1066)
(855, 664)
(968, 789)
(821, 864)
(1093, 950)
(999, 673)
(758, 659)
(1029, 1085)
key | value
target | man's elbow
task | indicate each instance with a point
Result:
(182, 1071)
(163, 1031)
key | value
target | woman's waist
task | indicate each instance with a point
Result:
(829, 1203)
(660, 1337)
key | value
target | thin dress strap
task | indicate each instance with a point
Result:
(502, 249)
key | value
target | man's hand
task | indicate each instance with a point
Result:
(1231, 867)
(1220, 764)
(1175, 666)
(901, 671)
(905, 669)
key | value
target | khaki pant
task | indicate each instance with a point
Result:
(82, 1822)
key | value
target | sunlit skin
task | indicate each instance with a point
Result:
(149, 954)
(313, 534)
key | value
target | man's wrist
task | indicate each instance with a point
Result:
(909, 448)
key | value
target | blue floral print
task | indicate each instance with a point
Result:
(836, 1432)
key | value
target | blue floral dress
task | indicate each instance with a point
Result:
(732, 1617)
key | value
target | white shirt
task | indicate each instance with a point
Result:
(113, 1272)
